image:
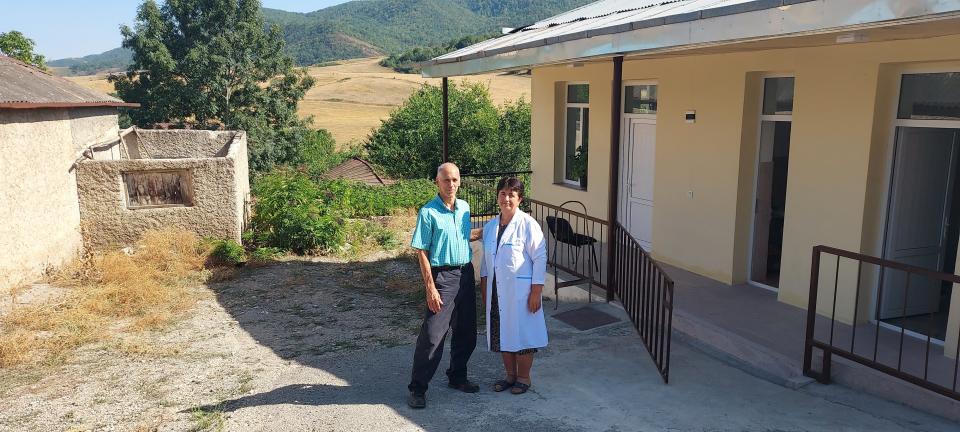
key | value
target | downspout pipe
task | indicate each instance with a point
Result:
(614, 175)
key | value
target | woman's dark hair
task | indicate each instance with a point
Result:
(512, 184)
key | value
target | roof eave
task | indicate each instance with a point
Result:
(759, 20)
(38, 105)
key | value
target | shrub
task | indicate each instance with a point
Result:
(482, 138)
(293, 213)
(358, 200)
(227, 252)
(266, 253)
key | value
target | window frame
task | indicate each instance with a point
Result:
(566, 106)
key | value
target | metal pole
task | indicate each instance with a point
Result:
(614, 174)
(446, 123)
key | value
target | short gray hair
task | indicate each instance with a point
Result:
(447, 165)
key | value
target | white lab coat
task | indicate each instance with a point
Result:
(518, 261)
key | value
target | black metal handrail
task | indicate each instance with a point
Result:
(889, 351)
(480, 191)
(582, 261)
(576, 245)
(646, 293)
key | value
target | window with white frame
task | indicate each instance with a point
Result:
(576, 133)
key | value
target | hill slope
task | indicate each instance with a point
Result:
(364, 28)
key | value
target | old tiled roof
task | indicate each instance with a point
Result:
(356, 169)
(24, 86)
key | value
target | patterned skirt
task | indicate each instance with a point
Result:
(495, 325)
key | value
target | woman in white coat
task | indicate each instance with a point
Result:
(512, 275)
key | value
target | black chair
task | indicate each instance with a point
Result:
(563, 232)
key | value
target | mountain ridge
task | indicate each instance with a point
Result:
(364, 28)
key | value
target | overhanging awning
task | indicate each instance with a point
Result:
(623, 27)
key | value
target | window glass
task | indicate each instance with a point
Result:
(930, 96)
(778, 96)
(577, 131)
(640, 99)
(578, 93)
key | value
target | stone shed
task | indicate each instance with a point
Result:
(192, 179)
(46, 124)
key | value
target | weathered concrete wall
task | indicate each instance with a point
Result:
(178, 144)
(219, 197)
(40, 216)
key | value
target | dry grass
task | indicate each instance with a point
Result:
(354, 96)
(110, 293)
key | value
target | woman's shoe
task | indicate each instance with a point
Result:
(519, 388)
(502, 385)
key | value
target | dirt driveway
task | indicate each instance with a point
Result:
(243, 333)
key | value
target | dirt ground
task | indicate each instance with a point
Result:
(252, 328)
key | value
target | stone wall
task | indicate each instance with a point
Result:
(40, 215)
(177, 143)
(219, 196)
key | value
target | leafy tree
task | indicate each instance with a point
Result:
(211, 64)
(482, 138)
(15, 44)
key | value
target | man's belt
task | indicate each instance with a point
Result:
(451, 267)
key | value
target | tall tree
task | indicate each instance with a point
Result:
(15, 44)
(211, 64)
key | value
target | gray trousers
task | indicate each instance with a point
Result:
(457, 315)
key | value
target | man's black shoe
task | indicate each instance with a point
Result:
(417, 401)
(466, 386)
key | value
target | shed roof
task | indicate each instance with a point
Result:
(356, 169)
(608, 28)
(23, 86)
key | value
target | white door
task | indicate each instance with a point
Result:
(637, 155)
(920, 200)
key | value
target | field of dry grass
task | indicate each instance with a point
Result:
(103, 297)
(352, 97)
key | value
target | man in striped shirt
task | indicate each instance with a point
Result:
(442, 241)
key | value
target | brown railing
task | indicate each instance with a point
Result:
(576, 243)
(577, 246)
(647, 295)
(910, 356)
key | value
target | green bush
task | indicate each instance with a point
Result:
(483, 138)
(266, 253)
(293, 213)
(227, 252)
(358, 200)
(296, 213)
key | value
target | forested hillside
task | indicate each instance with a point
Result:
(364, 28)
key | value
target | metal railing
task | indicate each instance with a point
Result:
(577, 246)
(908, 355)
(646, 293)
(575, 243)
(480, 191)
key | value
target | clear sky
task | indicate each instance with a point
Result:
(75, 28)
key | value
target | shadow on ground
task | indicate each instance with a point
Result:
(345, 333)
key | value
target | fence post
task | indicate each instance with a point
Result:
(614, 176)
(812, 316)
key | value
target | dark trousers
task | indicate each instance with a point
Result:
(458, 315)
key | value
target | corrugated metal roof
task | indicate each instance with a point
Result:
(356, 169)
(602, 14)
(25, 86)
(617, 27)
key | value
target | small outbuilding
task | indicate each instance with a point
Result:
(358, 170)
(65, 164)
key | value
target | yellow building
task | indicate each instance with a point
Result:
(734, 136)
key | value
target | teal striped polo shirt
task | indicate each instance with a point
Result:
(444, 234)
